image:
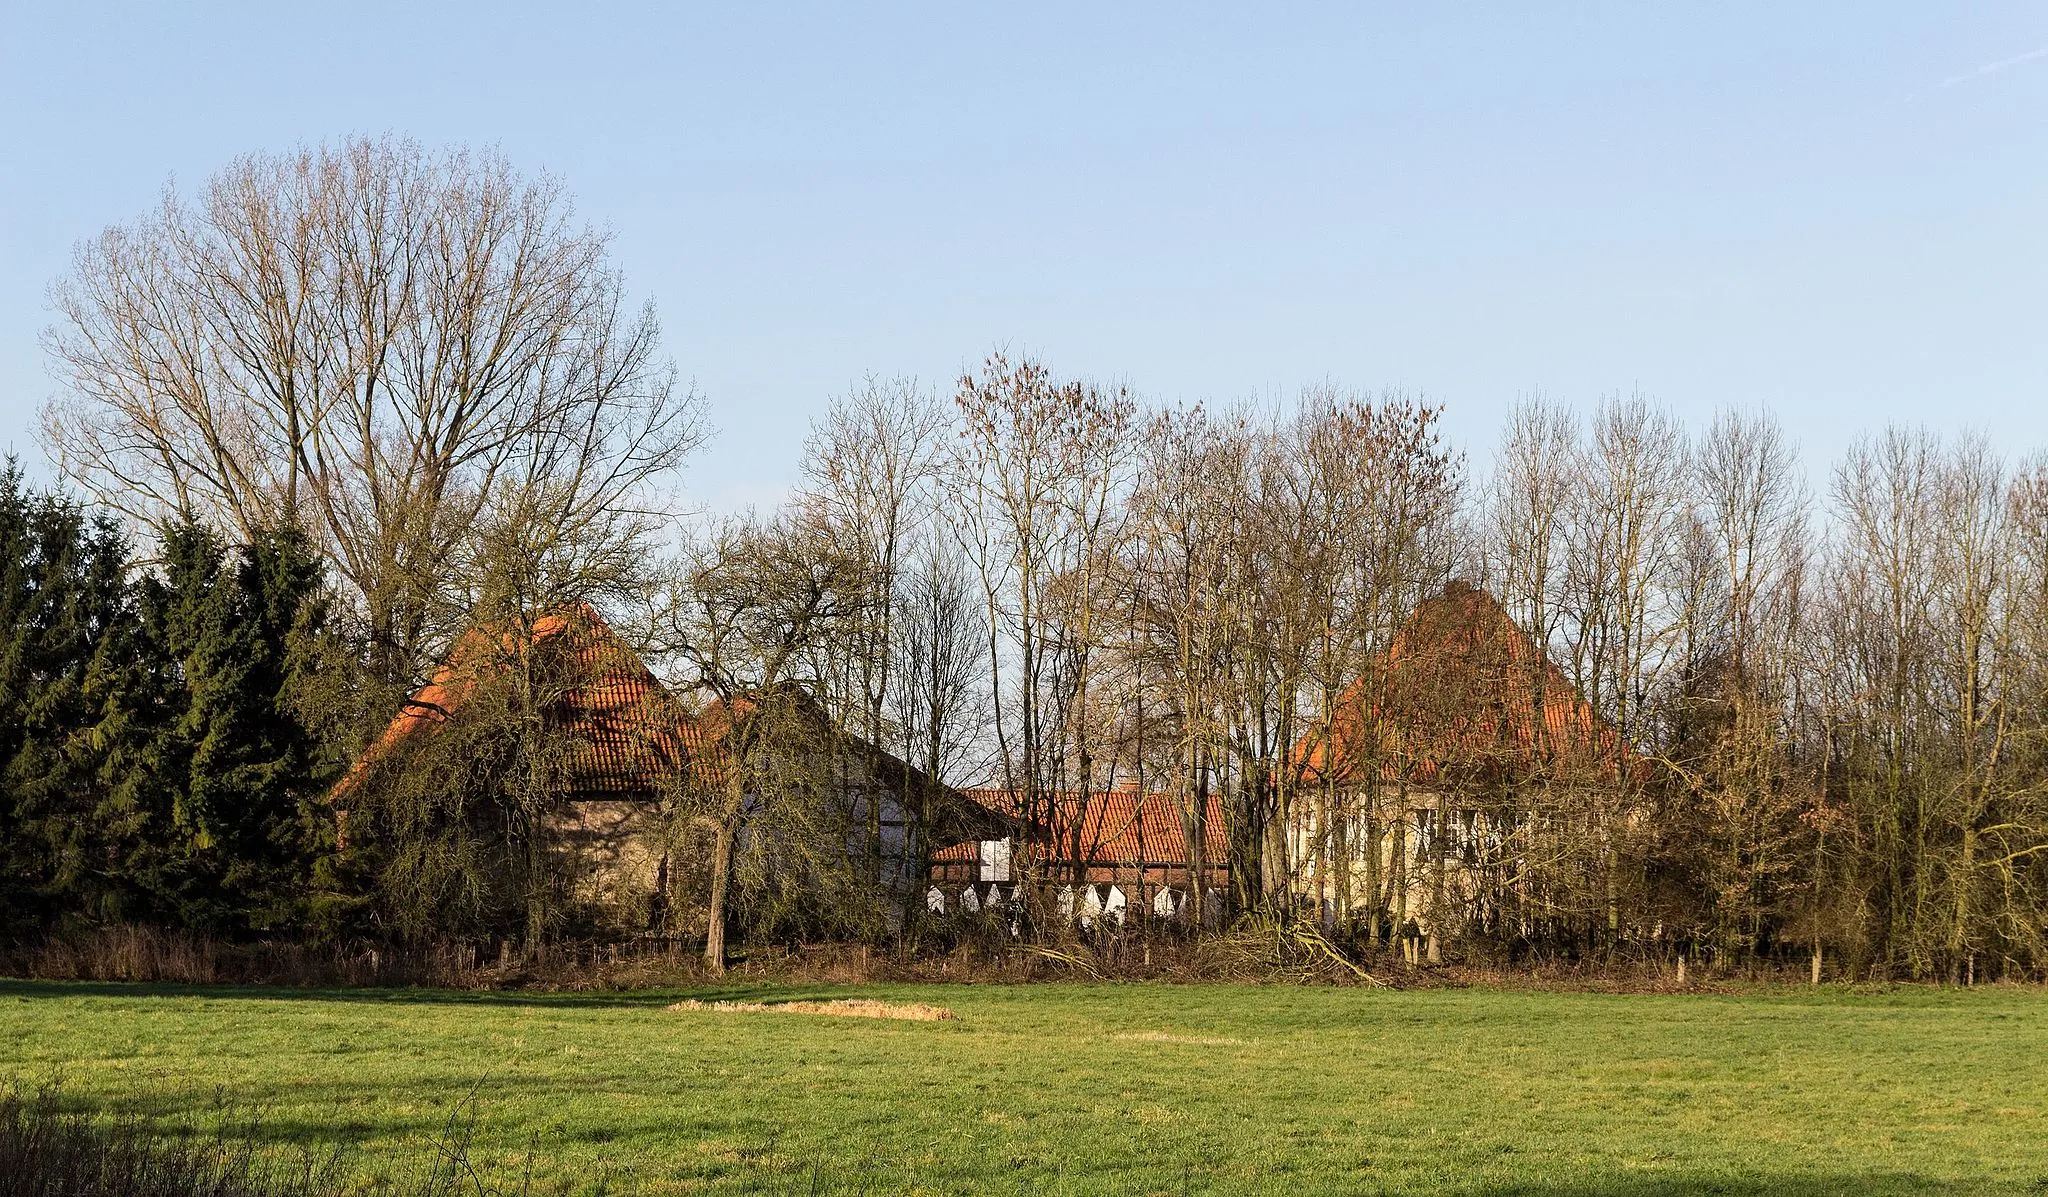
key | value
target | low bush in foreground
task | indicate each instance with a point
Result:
(1251, 950)
(49, 1151)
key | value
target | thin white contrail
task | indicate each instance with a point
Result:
(1992, 68)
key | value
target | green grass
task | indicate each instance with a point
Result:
(1102, 1089)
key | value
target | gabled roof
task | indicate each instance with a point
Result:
(1455, 697)
(706, 735)
(627, 734)
(1117, 827)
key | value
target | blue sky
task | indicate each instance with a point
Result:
(1837, 212)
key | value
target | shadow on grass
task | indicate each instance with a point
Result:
(818, 1180)
(579, 1000)
(1857, 1184)
(334, 1139)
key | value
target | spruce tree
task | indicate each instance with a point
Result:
(162, 749)
(62, 595)
(243, 773)
(301, 676)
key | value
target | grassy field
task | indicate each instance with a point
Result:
(1101, 1089)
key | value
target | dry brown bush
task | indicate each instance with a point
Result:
(1250, 954)
(837, 1007)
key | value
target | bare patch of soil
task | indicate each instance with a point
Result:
(1170, 1037)
(841, 1008)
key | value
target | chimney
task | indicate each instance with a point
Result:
(1128, 784)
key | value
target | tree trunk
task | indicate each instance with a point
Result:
(1440, 821)
(721, 879)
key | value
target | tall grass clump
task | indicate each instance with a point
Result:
(48, 1151)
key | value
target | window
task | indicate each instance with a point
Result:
(995, 860)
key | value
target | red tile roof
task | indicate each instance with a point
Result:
(1119, 828)
(1451, 698)
(629, 735)
(706, 736)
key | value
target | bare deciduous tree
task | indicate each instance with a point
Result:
(867, 471)
(756, 602)
(388, 346)
(1040, 473)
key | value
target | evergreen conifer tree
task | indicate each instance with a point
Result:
(240, 767)
(62, 592)
(163, 746)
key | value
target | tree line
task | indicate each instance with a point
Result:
(162, 745)
(1831, 699)
(420, 371)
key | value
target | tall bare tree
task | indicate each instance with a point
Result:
(1040, 475)
(1528, 500)
(867, 470)
(756, 601)
(939, 699)
(389, 346)
(1623, 619)
(1186, 517)
(1733, 737)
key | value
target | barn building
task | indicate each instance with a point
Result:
(1409, 793)
(632, 747)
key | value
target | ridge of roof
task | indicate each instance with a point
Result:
(1444, 704)
(629, 732)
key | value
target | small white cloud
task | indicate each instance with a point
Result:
(1992, 68)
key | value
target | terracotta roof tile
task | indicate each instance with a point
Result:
(629, 735)
(1452, 698)
(1117, 827)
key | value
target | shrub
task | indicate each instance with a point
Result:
(47, 1151)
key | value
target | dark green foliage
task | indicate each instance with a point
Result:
(160, 758)
(63, 603)
(229, 639)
